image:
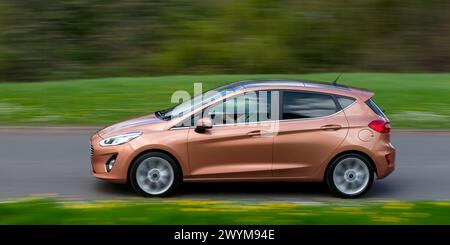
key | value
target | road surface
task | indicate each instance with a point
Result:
(56, 162)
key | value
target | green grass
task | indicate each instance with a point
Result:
(47, 211)
(411, 100)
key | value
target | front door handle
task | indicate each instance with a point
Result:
(331, 127)
(254, 133)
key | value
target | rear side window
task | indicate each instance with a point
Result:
(375, 108)
(345, 101)
(307, 105)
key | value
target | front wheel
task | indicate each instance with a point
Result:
(155, 174)
(350, 175)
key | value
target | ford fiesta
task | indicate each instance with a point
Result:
(270, 130)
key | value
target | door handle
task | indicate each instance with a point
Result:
(258, 133)
(331, 127)
(254, 133)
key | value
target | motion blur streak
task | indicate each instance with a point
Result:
(45, 40)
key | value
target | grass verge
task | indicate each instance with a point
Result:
(411, 100)
(49, 211)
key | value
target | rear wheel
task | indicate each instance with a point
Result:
(350, 175)
(155, 174)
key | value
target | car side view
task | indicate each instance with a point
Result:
(262, 130)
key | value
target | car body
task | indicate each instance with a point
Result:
(317, 124)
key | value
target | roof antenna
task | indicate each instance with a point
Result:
(335, 80)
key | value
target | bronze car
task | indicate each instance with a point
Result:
(270, 130)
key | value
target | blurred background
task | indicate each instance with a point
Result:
(52, 39)
(80, 62)
(84, 64)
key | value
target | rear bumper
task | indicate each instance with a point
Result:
(385, 160)
(386, 172)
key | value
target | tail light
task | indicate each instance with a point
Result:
(380, 126)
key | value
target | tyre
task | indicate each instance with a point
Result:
(155, 174)
(350, 175)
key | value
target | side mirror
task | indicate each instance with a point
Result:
(203, 124)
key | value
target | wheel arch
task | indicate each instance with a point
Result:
(371, 161)
(132, 162)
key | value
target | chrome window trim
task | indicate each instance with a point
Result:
(279, 120)
(270, 121)
(178, 128)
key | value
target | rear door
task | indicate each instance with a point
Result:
(311, 128)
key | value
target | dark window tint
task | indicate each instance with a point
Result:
(307, 105)
(345, 101)
(375, 108)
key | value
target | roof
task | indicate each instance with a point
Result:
(365, 94)
(284, 82)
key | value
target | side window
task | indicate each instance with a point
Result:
(345, 101)
(244, 108)
(298, 104)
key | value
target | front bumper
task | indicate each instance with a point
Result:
(101, 155)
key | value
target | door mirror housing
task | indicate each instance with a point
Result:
(203, 124)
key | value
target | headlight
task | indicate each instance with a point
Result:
(120, 139)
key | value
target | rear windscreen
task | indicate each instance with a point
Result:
(375, 108)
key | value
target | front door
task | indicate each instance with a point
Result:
(237, 147)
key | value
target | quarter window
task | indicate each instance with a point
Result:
(345, 101)
(307, 105)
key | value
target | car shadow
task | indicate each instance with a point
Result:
(253, 188)
(229, 191)
(113, 189)
(266, 191)
(239, 191)
(386, 189)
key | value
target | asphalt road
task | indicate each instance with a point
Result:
(56, 162)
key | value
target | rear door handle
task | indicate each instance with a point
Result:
(331, 127)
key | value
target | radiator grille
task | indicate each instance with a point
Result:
(91, 150)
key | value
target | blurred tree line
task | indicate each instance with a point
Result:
(54, 39)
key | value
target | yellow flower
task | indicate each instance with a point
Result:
(388, 219)
(442, 203)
